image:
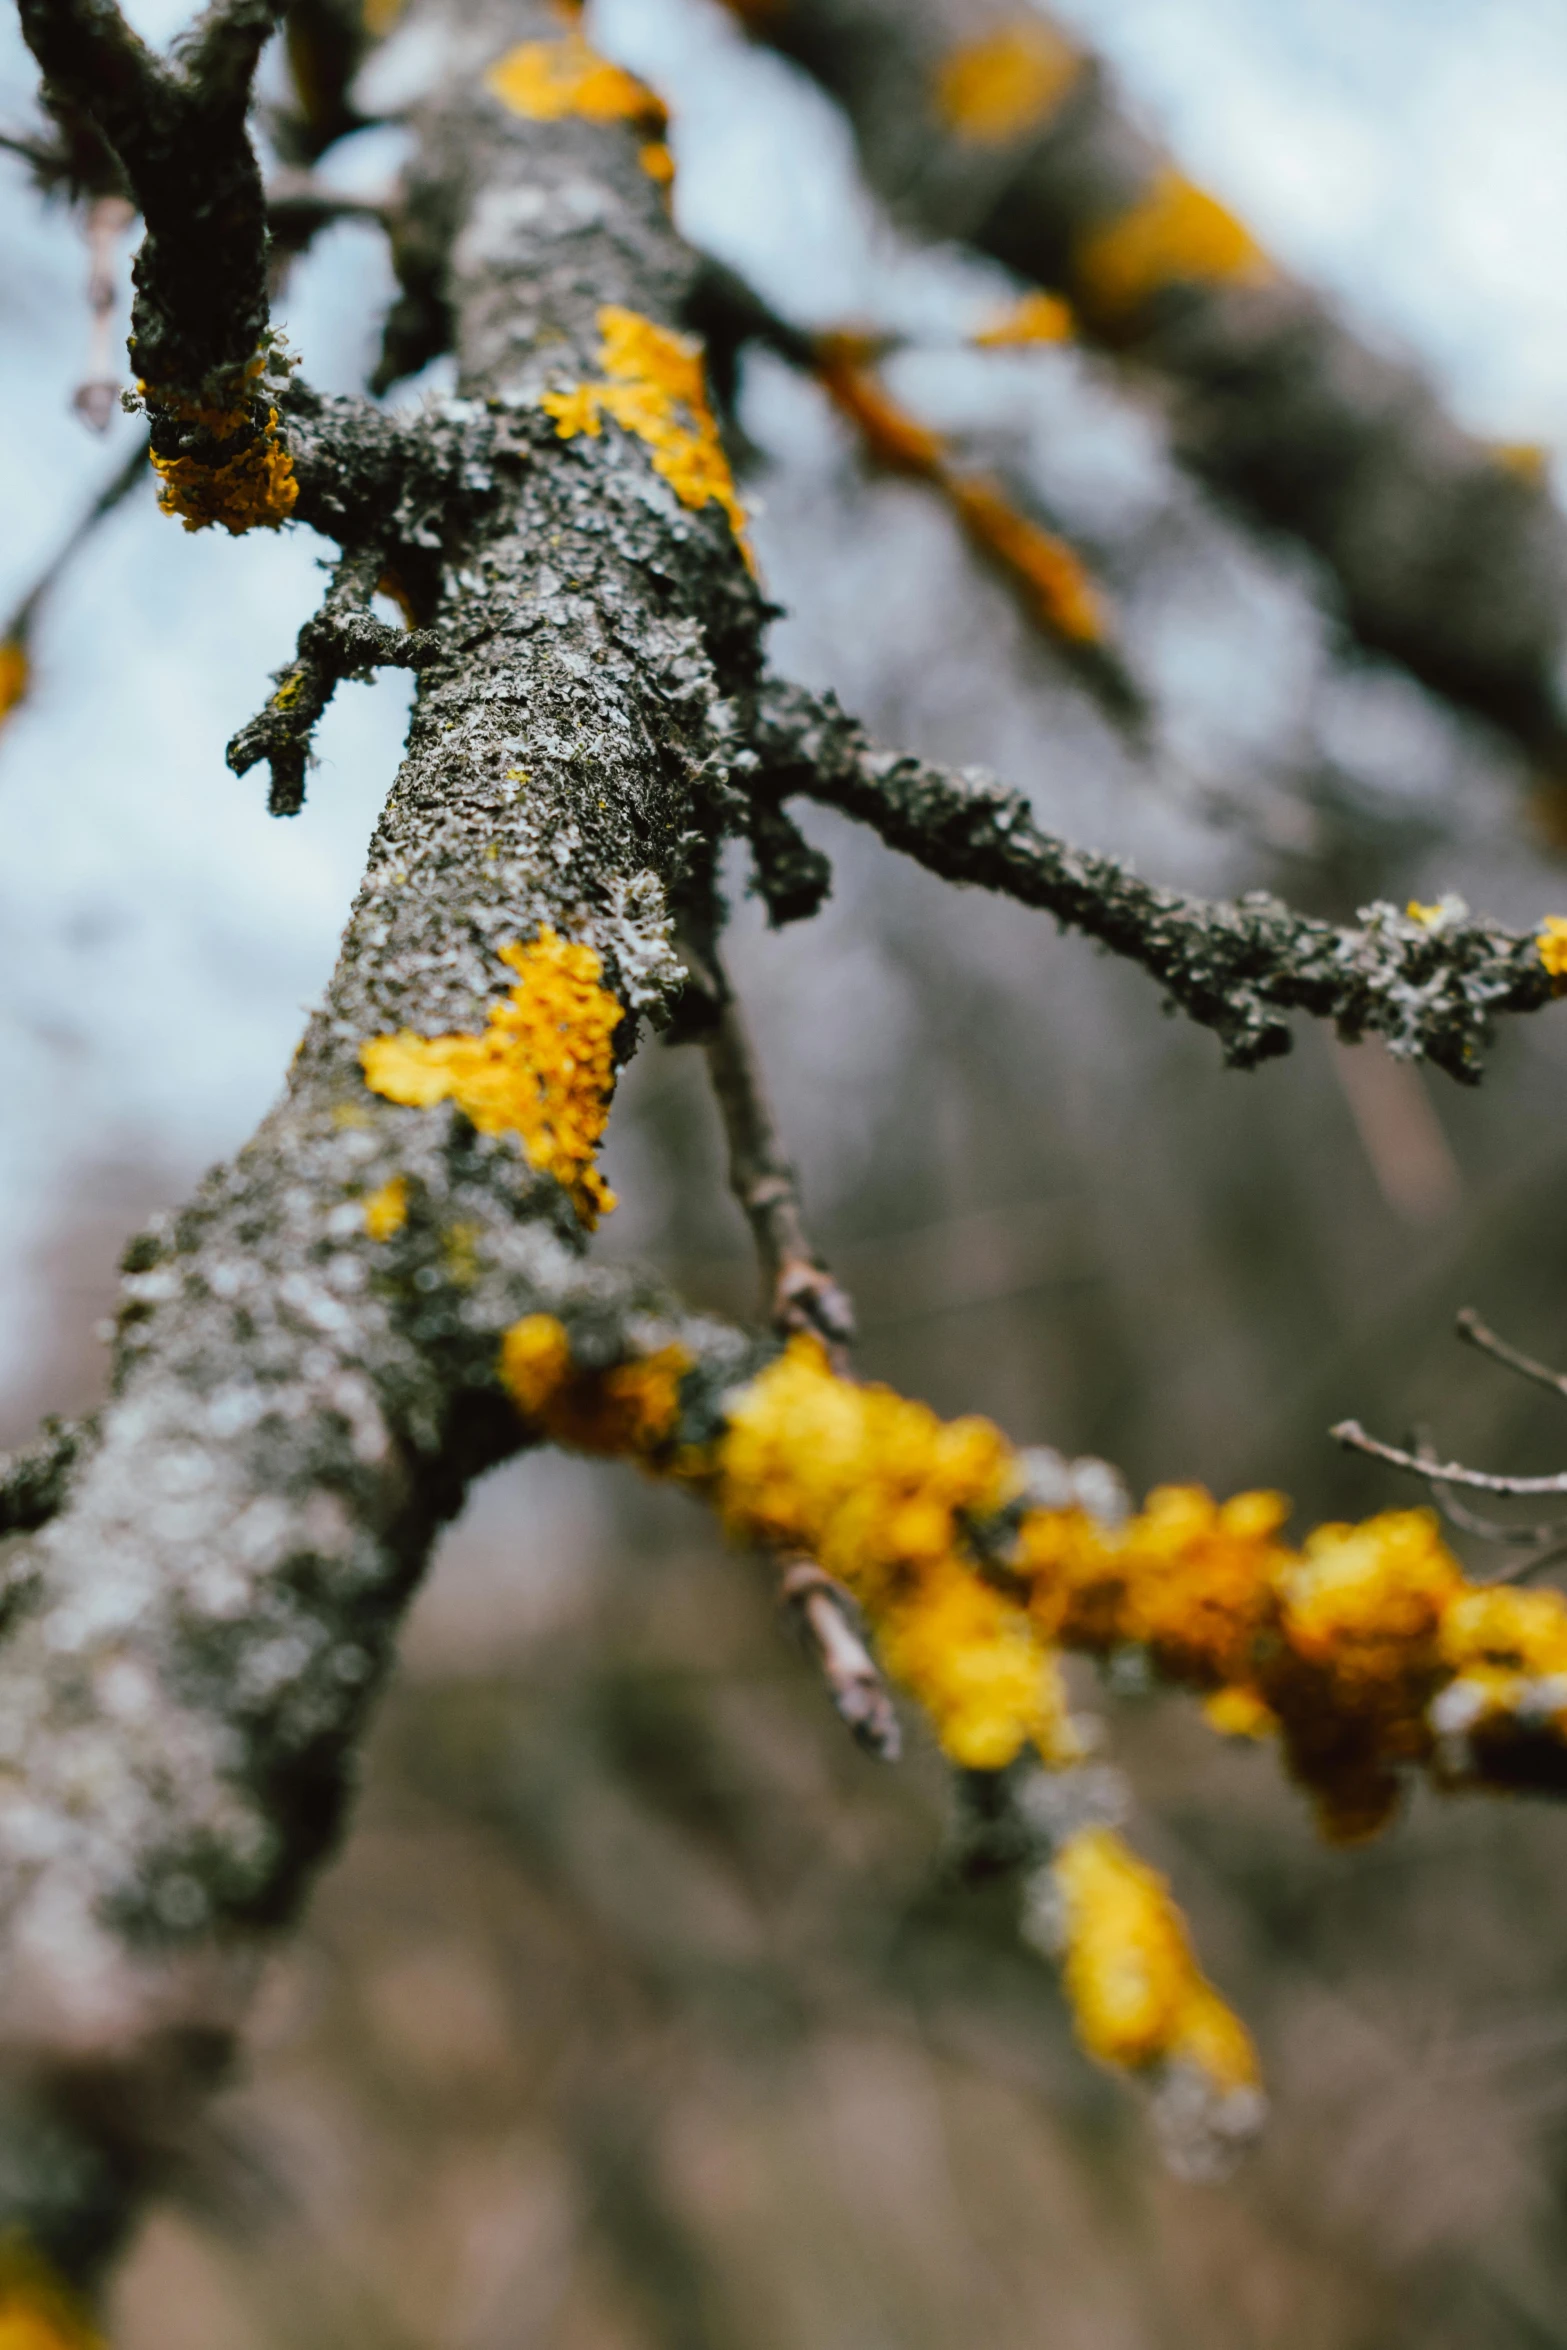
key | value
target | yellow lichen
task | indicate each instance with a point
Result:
(1008, 82)
(252, 489)
(547, 81)
(542, 1068)
(1035, 318)
(15, 674)
(1529, 460)
(38, 2310)
(1138, 1997)
(657, 161)
(1552, 941)
(633, 1407)
(386, 1210)
(1176, 234)
(655, 389)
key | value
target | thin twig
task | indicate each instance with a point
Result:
(1475, 1333)
(1469, 1521)
(799, 1292)
(1350, 1434)
(825, 1615)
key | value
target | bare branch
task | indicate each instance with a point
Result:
(17, 630)
(1429, 985)
(1474, 1332)
(826, 1617)
(800, 1293)
(1350, 1434)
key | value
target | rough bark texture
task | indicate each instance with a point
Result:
(297, 1408)
(205, 1583)
(1446, 557)
(1429, 982)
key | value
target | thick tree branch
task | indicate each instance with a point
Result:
(1429, 985)
(985, 120)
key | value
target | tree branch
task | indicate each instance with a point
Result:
(1353, 1437)
(1003, 128)
(1430, 987)
(339, 641)
(798, 1291)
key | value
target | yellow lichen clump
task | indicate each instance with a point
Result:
(1008, 82)
(655, 389)
(255, 489)
(1365, 1651)
(1060, 595)
(547, 81)
(38, 2310)
(1138, 1997)
(1176, 234)
(1035, 318)
(386, 1210)
(1552, 942)
(541, 1069)
(632, 1408)
(15, 674)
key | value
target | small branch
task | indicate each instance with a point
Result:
(17, 629)
(1430, 987)
(1350, 1434)
(792, 879)
(1474, 1332)
(800, 1293)
(341, 640)
(35, 1481)
(97, 395)
(825, 1616)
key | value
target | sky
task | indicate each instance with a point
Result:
(161, 938)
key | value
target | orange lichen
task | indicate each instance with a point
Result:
(547, 81)
(1035, 318)
(1552, 941)
(656, 389)
(1176, 234)
(542, 1068)
(38, 2310)
(633, 1407)
(15, 674)
(992, 90)
(1054, 580)
(386, 1210)
(657, 161)
(1138, 1996)
(1054, 583)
